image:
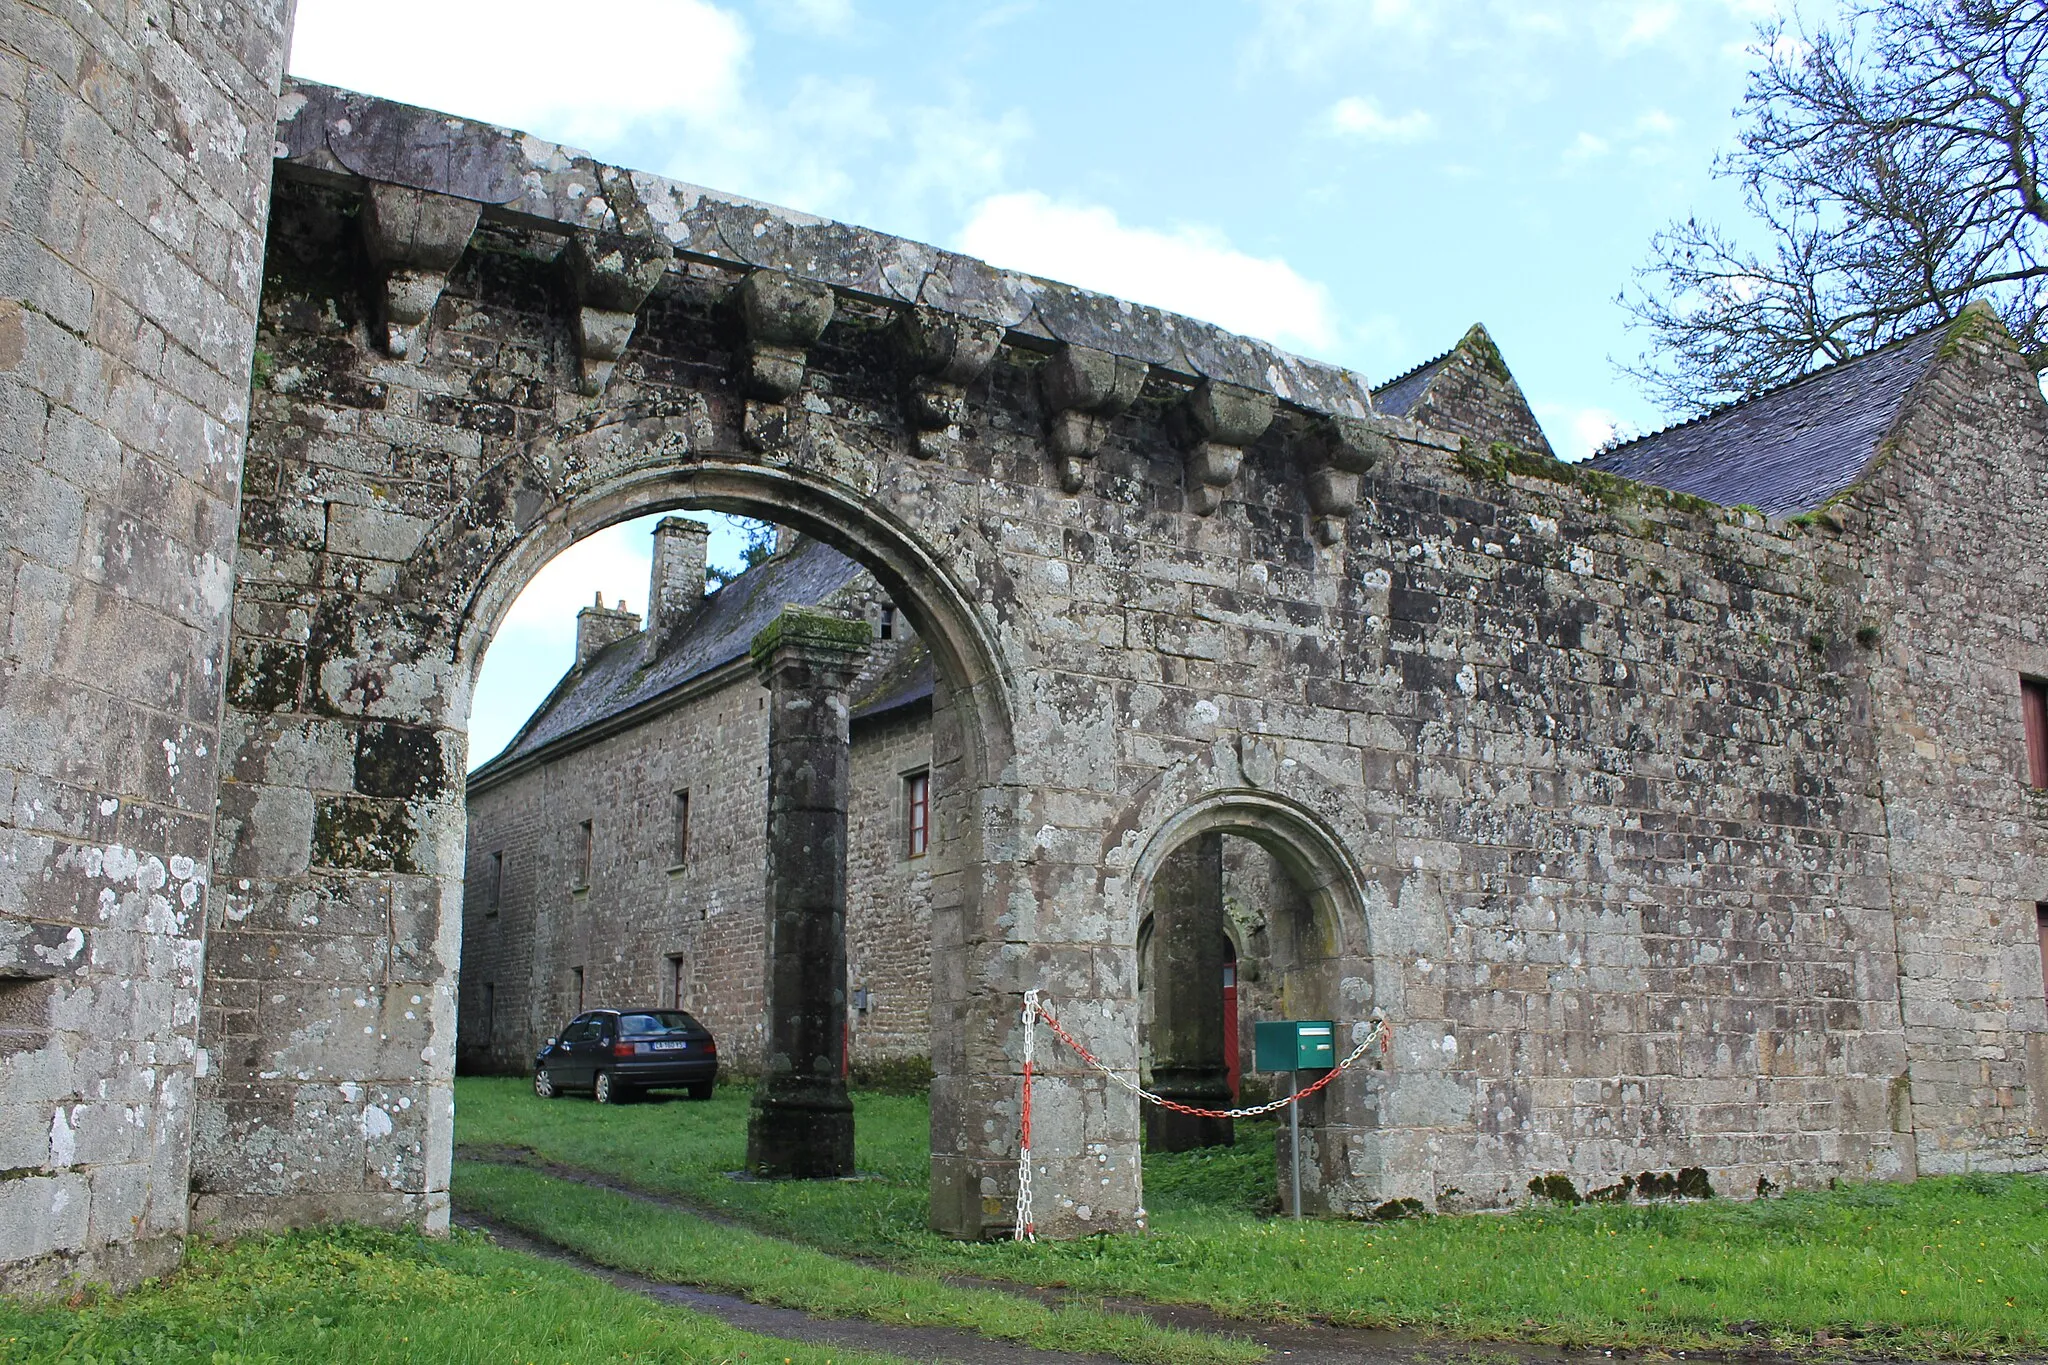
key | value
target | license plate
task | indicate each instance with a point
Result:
(669, 1047)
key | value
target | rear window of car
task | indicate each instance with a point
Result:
(657, 1021)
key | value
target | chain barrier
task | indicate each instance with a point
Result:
(1025, 1229)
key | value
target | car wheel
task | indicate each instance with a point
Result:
(544, 1084)
(700, 1091)
(605, 1090)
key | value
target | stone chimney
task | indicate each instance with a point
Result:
(676, 587)
(598, 625)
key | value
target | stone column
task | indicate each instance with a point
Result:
(802, 1124)
(1187, 1005)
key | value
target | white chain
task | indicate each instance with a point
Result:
(1025, 1230)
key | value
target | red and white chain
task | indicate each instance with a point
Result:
(1034, 1010)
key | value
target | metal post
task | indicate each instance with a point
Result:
(1294, 1141)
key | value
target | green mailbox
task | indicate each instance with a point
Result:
(1295, 1045)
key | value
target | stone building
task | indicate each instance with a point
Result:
(615, 845)
(1681, 813)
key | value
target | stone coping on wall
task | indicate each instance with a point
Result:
(325, 131)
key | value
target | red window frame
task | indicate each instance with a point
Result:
(2034, 716)
(917, 814)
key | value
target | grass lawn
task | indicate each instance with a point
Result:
(360, 1296)
(661, 1244)
(1946, 1267)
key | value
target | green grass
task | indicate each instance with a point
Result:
(363, 1297)
(661, 1244)
(1945, 1267)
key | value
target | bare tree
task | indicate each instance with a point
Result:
(1893, 162)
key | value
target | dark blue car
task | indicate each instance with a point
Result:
(616, 1054)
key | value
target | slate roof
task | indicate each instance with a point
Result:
(907, 680)
(1790, 449)
(638, 669)
(1404, 391)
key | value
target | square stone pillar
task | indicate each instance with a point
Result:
(802, 1123)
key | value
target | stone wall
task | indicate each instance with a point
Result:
(1569, 787)
(1945, 547)
(133, 193)
(888, 892)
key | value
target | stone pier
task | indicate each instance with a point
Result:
(1187, 1011)
(802, 1124)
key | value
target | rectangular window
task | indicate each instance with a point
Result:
(682, 830)
(2034, 710)
(490, 1012)
(2041, 924)
(678, 979)
(576, 987)
(917, 813)
(585, 845)
(496, 889)
(888, 627)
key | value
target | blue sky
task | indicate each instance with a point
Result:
(1358, 180)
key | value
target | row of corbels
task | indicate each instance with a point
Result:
(413, 238)
(1084, 391)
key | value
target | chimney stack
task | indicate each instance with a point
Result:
(598, 625)
(676, 587)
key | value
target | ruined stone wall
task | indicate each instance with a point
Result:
(888, 892)
(1947, 595)
(1588, 813)
(135, 148)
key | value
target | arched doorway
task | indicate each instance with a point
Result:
(1268, 905)
(390, 840)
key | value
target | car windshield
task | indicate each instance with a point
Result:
(655, 1021)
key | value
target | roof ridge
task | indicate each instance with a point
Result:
(1736, 404)
(1410, 373)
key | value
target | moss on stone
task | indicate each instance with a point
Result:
(1975, 325)
(815, 629)
(1610, 491)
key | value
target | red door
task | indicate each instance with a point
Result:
(1230, 1024)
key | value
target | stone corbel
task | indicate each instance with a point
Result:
(1339, 449)
(1085, 389)
(1215, 423)
(945, 353)
(412, 238)
(784, 317)
(612, 275)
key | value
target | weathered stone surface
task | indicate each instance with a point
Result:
(133, 197)
(801, 1126)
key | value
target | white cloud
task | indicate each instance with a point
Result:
(1579, 433)
(1586, 147)
(1357, 116)
(1189, 269)
(584, 77)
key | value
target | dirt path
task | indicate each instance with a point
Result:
(790, 1324)
(1310, 1343)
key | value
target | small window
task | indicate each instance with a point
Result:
(681, 851)
(887, 630)
(576, 987)
(2034, 712)
(495, 892)
(917, 813)
(585, 845)
(678, 979)
(490, 1028)
(2041, 925)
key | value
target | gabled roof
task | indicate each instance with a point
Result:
(1790, 449)
(1401, 393)
(639, 669)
